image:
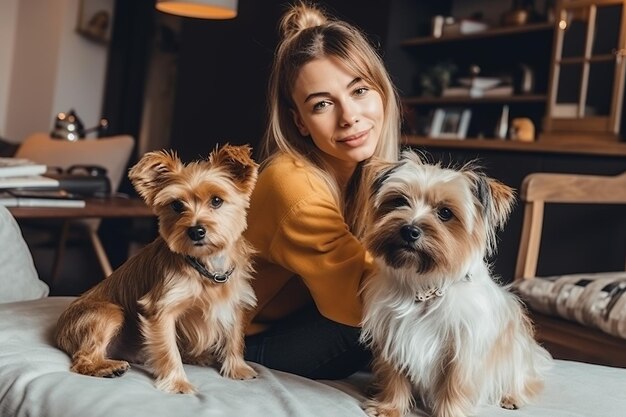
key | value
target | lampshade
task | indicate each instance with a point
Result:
(203, 9)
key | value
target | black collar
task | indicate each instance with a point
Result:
(197, 265)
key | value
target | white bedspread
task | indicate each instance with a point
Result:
(35, 381)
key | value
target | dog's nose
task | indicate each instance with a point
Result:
(196, 233)
(410, 233)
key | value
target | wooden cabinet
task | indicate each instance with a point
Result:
(587, 70)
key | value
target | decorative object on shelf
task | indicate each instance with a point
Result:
(463, 27)
(522, 12)
(95, 20)
(68, 126)
(436, 79)
(524, 79)
(522, 129)
(502, 126)
(202, 9)
(437, 24)
(450, 123)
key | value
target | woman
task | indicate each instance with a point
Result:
(332, 107)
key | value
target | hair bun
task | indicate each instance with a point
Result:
(301, 16)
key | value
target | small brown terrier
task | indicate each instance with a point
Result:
(187, 291)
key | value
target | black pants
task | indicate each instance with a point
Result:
(310, 345)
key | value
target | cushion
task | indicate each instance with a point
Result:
(18, 277)
(594, 300)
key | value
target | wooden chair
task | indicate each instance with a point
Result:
(567, 339)
(111, 153)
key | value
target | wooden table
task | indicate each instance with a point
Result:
(110, 207)
(100, 208)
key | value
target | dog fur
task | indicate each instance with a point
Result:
(158, 301)
(437, 322)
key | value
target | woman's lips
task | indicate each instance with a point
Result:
(355, 140)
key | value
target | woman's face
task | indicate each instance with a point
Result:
(341, 113)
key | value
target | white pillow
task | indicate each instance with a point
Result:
(18, 277)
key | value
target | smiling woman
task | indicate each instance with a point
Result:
(342, 114)
(332, 108)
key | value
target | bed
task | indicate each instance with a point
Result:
(35, 380)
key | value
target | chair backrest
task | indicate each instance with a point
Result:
(111, 153)
(539, 189)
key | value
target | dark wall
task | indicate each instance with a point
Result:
(224, 69)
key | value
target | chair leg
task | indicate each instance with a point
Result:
(100, 253)
(56, 265)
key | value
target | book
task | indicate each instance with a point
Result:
(40, 198)
(38, 181)
(20, 167)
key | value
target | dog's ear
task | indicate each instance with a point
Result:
(238, 162)
(376, 171)
(496, 200)
(152, 171)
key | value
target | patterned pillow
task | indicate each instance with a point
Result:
(594, 300)
(19, 280)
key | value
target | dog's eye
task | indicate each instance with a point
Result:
(216, 202)
(445, 214)
(178, 206)
(398, 202)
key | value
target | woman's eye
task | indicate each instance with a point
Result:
(178, 206)
(321, 105)
(216, 202)
(445, 214)
(360, 91)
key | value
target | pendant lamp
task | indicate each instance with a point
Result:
(202, 9)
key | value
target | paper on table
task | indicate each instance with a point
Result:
(31, 181)
(19, 167)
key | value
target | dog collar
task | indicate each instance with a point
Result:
(218, 278)
(421, 296)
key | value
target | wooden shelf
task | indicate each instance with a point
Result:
(584, 148)
(529, 98)
(489, 33)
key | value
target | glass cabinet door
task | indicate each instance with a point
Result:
(587, 84)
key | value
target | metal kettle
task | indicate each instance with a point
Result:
(68, 126)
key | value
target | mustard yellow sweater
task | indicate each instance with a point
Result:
(305, 250)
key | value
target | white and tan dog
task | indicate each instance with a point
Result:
(436, 320)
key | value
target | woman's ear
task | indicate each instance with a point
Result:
(298, 121)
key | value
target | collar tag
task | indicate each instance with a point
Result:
(217, 277)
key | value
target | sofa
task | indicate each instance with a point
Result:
(35, 379)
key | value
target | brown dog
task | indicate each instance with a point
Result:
(188, 290)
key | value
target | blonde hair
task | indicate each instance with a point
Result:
(308, 34)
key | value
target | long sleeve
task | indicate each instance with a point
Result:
(300, 233)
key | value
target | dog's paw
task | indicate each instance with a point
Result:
(107, 368)
(178, 386)
(239, 371)
(376, 409)
(509, 403)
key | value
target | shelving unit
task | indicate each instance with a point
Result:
(498, 51)
(489, 33)
(429, 100)
(580, 148)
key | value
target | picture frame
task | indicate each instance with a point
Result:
(451, 123)
(95, 20)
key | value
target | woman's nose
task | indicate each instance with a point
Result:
(349, 114)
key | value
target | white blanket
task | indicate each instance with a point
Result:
(35, 381)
